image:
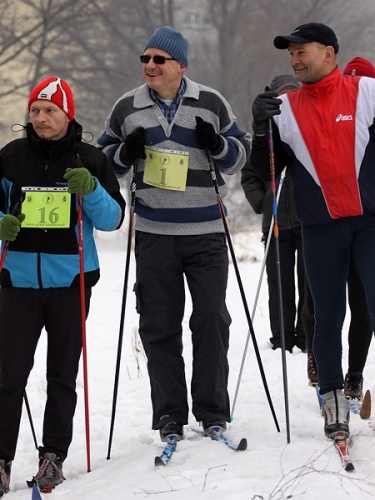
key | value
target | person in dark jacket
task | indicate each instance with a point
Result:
(293, 277)
(171, 130)
(42, 176)
(334, 186)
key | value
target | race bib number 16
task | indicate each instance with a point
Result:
(47, 208)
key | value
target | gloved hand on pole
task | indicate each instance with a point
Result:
(134, 147)
(80, 180)
(10, 226)
(265, 106)
(207, 137)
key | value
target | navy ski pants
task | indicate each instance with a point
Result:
(327, 250)
(360, 329)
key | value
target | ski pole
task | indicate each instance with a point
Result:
(123, 307)
(277, 250)
(3, 254)
(2, 259)
(256, 297)
(83, 326)
(234, 260)
(30, 419)
(267, 247)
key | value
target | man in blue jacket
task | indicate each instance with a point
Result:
(40, 178)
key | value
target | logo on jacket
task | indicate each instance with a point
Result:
(343, 118)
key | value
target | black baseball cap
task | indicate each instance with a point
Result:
(306, 33)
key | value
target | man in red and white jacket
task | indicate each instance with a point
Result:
(324, 132)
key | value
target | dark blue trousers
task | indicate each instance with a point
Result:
(327, 251)
(360, 328)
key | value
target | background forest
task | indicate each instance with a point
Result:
(95, 45)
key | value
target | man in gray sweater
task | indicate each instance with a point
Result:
(169, 129)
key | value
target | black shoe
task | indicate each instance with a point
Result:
(4, 476)
(50, 473)
(216, 426)
(312, 371)
(276, 344)
(171, 429)
(353, 385)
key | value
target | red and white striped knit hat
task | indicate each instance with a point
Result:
(56, 90)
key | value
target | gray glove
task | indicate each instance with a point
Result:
(265, 106)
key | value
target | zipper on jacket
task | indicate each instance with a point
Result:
(39, 265)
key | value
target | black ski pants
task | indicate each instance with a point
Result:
(23, 314)
(162, 263)
(292, 271)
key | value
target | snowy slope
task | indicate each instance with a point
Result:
(308, 467)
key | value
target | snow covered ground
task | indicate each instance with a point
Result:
(306, 468)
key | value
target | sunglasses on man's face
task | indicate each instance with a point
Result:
(145, 59)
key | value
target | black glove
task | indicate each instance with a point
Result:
(207, 137)
(134, 146)
(265, 106)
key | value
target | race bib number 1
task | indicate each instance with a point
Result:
(47, 208)
(166, 169)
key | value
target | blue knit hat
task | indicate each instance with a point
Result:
(172, 42)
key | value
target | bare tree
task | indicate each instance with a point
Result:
(95, 45)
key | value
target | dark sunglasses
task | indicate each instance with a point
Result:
(145, 59)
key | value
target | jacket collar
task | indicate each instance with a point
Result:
(324, 86)
(71, 139)
(142, 97)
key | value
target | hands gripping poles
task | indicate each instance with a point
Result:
(277, 250)
(257, 296)
(123, 306)
(234, 260)
(2, 259)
